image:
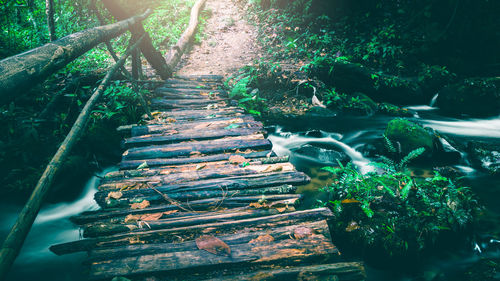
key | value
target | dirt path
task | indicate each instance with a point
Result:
(229, 43)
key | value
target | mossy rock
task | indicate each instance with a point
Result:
(475, 97)
(394, 110)
(409, 135)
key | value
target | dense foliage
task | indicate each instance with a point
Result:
(36, 123)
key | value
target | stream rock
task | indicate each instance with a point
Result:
(322, 155)
(485, 155)
(475, 97)
(408, 136)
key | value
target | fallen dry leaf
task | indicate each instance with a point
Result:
(213, 245)
(272, 168)
(114, 195)
(266, 238)
(257, 205)
(170, 212)
(302, 232)
(237, 159)
(170, 120)
(142, 205)
(131, 218)
(281, 209)
(195, 153)
(151, 217)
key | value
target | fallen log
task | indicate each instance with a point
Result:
(168, 235)
(197, 205)
(156, 162)
(193, 148)
(21, 72)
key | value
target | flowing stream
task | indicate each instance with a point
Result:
(349, 134)
(352, 134)
(52, 226)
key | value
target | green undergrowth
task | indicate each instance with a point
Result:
(30, 138)
(389, 213)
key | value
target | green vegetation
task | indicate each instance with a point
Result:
(34, 125)
(395, 213)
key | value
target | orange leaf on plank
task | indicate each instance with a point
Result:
(151, 217)
(213, 245)
(142, 205)
(266, 238)
(237, 159)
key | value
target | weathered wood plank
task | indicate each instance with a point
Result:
(196, 205)
(189, 148)
(192, 172)
(340, 271)
(184, 103)
(174, 136)
(154, 236)
(283, 252)
(280, 233)
(201, 78)
(103, 229)
(156, 162)
(159, 197)
(180, 125)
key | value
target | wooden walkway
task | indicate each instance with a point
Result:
(201, 196)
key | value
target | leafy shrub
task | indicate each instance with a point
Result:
(395, 212)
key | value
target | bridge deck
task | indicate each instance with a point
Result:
(201, 196)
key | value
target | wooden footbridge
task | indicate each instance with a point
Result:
(200, 195)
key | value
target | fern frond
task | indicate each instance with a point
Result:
(412, 155)
(388, 145)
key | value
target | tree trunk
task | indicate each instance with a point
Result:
(49, 11)
(153, 56)
(21, 72)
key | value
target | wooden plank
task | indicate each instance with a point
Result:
(156, 162)
(341, 271)
(110, 228)
(202, 78)
(215, 123)
(193, 172)
(197, 205)
(195, 134)
(172, 234)
(279, 233)
(189, 91)
(184, 103)
(283, 252)
(185, 197)
(190, 148)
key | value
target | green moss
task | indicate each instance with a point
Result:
(409, 135)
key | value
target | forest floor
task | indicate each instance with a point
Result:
(229, 42)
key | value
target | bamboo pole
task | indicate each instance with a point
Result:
(14, 241)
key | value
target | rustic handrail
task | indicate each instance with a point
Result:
(20, 72)
(14, 241)
(175, 54)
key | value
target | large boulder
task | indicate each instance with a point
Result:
(475, 97)
(408, 136)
